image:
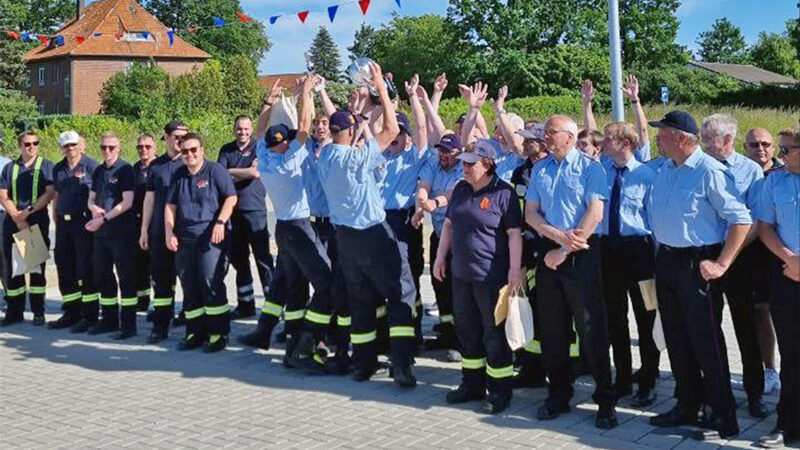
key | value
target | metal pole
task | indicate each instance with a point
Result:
(617, 106)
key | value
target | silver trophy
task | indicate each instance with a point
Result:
(359, 74)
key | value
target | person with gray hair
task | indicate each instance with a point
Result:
(718, 134)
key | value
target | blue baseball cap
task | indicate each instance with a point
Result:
(341, 120)
(277, 134)
(483, 148)
(404, 123)
(449, 142)
(680, 120)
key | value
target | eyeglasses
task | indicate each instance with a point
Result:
(784, 150)
(108, 148)
(30, 144)
(755, 145)
(186, 151)
(553, 132)
(469, 164)
(144, 147)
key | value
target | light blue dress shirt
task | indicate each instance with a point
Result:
(636, 184)
(564, 189)
(746, 173)
(282, 175)
(693, 204)
(3, 162)
(316, 195)
(506, 162)
(397, 177)
(779, 205)
(347, 175)
(441, 181)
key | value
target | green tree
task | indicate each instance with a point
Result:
(13, 105)
(138, 92)
(243, 93)
(190, 94)
(793, 28)
(723, 43)
(237, 38)
(775, 52)
(363, 43)
(323, 56)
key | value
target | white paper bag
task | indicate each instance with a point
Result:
(519, 322)
(658, 333)
(284, 111)
(18, 266)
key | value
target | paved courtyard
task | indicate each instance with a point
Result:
(60, 390)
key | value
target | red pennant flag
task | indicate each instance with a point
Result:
(119, 35)
(12, 35)
(243, 18)
(44, 39)
(364, 4)
(303, 15)
(80, 39)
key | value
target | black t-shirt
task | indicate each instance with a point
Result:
(161, 171)
(73, 186)
(520, 179)
(142, 174)
(198, 198)
(24, 187)
(108, 184)
(480, 223)
(251, 193)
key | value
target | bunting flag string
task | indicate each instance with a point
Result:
(302, 15)
(332, 11)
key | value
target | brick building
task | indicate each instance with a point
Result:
(105, 38)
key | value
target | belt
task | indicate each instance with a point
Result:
(622, 240)
(320, 219)
(701, 251)
(400, 212)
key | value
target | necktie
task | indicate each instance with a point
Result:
(613, 211)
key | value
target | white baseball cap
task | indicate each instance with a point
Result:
(68, 138)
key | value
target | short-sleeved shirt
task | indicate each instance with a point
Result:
(251, 194)
(657, 163)
(349, 183)
(563, 190)
(198, 199)
(506, 162)
(779, 205)
(481, 220)
(161, 172)
(637, 181)
(746, 173)
(520, 180)
(142, 173)
(108, 184)
(317, 200)
(693, 204)
(22, 191)
(441, 181)
(73, 187)
(282, 175)
(3, 162)
(397, 177)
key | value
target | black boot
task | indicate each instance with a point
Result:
(465, 394)
(244, 310)
(65, 321)
(496, 403)
(301, 353)
(260, 337)
(403, 376)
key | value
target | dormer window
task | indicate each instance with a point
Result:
(138, 36)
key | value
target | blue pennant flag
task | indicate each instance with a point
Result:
(273, 19)
(26, 37)
(97, 34)
(398, 3)
(145, 34)
(59, 40)
(332, 11)
(171, 36)
(219, 22)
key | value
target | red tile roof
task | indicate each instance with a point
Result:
(110, 18)
(287, 80)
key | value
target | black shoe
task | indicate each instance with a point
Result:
(81, 326)
(281, 337)
(102, 328)
(143, 304)
(757, 408)
(65, 321)
(403, 376)
(157, 336)
(190, 342)
(495, 404)
(606, 418)
(677, 416)
(338, 365)
(621, 391)
(180, 320)
(361, 374)
(718, 428)
(215, 343)
(38, 321)
(635, 377)
(150, 315)
(527, 380)
(644, 398)
(244, 310)
(259, 338)
(464, 394)
(11, 320)
(125, 333)
(547, 412)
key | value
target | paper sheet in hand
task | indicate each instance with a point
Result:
(284, 111)
(29, 244)
(501, 308)
(648, 288)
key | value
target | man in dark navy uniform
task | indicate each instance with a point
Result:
(196, 220)
(249, 220)
(110, 201)
(72, 177)
(152, 236)
(146, 148)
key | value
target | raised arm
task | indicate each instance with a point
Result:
(476, 97)
(587, 96)
(390, 128)
(263, 117)
(631, 91)
(328, 108)
(306, 110)
(509, 134)
(439, 85)
(436, 128)
(421, 126)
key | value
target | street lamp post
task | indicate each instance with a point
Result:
(617, 106)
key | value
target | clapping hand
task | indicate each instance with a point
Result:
(587, 92)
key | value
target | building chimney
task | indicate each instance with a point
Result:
(79, 10)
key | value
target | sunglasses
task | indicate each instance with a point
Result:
(186, 151)
(144, 147)
(784, 150)
(755, 145)
(30, 144)
(108, 148)
(469, 164)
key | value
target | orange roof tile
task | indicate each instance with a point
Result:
(288, 80)
(110, 17)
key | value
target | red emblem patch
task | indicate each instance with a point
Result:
(247, 153)
(485, 203)
(112, 180)
(79, 173)
(202, 183)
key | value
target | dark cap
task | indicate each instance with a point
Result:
(404, 123)
(483, 148)
(277, 134)
(174, 125)
(341, 120)
(449, 142)
(680, 120)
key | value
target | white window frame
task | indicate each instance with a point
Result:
(42, 76)
(67, 86)
(56, 74)
(138, 36)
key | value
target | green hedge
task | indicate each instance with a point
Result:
(539, 108)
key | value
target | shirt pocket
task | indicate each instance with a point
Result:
(685, 202)
(787, 210)
(633, 198)
(575, 190)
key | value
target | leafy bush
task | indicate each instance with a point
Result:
(539, 108)
(15, 104)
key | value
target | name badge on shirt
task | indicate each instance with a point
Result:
(521, 190)
(202, 183)
(113, 180)
(79, 173)
(246, 153)
(485, 203)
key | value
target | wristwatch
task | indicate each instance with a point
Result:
(105, 218)
(219, 222)
(29, 208)
(436, 201)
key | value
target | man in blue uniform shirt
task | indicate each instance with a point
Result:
(778, 213)
(564, 204)
(249, 220)
(368, 251)
(693, 205)
(718, 134)
(112, 223)
(196, 220)
(627, 258)
(146, 148)
(72, 179)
